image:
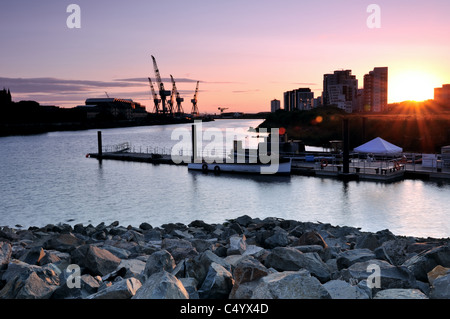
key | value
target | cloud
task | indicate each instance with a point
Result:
(184, 80)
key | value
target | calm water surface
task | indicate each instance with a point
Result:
(47, 179)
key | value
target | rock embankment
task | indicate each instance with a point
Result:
(243, 258)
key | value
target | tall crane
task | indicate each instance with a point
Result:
(221, 109)
(162, 92)
(179, 109)
(155, 97)
(194, 110)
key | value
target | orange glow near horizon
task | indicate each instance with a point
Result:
(413, 85)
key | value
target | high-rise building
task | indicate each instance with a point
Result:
(340, 89)
(376, 90)
(5, 97)
(442, 95)
(300, 99)
(275, 105)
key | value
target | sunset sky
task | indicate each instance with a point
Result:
(244, 53)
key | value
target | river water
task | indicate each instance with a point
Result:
(47, 178)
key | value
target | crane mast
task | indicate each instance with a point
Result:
(162, 92)
(155, 97)
(194, 110)
(179, 109)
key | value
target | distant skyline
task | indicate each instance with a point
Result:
(244, 53)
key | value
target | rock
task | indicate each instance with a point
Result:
(66, 242)
(437, 272)
(291, 259)
(400, 294)
(248, 269)
(198, 267)
(159, 261)
(394, 251)
(253, 250)
(118, 252)
(390, 276)
(96, 260)
(152, 235)
(33, 256)
(217, 284)
(339, 289)
(88, 286)
(441, 288)
(369, 241)
(190, 284)
(349, 257)
(29, 282)
(133, 268)
(179, 248)
(145, 226)
(50, 257)
(237, 245)
(290, 285)
(202, 224)
(278, 239)
(5, 254)
(123, 289)
(311, 238)
(244, 220)
(162, 285)
(424, 262)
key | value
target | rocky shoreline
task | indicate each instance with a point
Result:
(243, 258)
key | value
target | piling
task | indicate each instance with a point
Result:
(346, 156)
(99, 142)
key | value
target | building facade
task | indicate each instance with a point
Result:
(376, 90)
(340, 89)
(275, 105)
(442, 95)
(118, 108)
(300, 99)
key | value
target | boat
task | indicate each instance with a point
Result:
(284, 167)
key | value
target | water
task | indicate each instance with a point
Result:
(47, 179)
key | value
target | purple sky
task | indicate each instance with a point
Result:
(245, 53)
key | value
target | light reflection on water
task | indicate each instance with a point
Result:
(47, 179)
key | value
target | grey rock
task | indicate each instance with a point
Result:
(349, 257)
(66, 242)
(400, 294)
(198, 267)
(158, 261)
(118, 252)
(291, 259)
(390, 276)
(190, 284)
(133, 267)
(247, 269)
(88, 286)
(441, 288)
(162, 285)
(290, 285)
(33, 255)
(339, 289)
(179, 248)
(217, 284)
(424, 262)
(96, 260)
(237, 245)
(278, 239)
(123, 289)
(5, 254)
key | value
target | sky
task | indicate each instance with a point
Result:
(244, 53)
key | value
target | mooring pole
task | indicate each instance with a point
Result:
(99, 142)
(346, 156)
(194, 144)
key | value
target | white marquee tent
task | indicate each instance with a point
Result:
(378, 146)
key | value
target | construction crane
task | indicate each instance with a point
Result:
(178, 99)
(155, 97)
(162, 92)
(194, 110)
(221, 109)
(107, 94)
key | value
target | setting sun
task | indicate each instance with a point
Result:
(414, 85)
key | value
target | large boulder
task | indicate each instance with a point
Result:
(179, 248)
(246, 270)
(291, 259)
(162, 285)
(400, 294)
(198, 267)
(340, 289)
(217, 284)
(95, 260)
(424, 262)
(158, 261)
(123, 289)
(389, 276)
(441, 288)
(5, 254)
(290, 285)
(350, 257)
(65, 242)
(237, 245)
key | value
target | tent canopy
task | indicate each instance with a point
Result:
(378, 146)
